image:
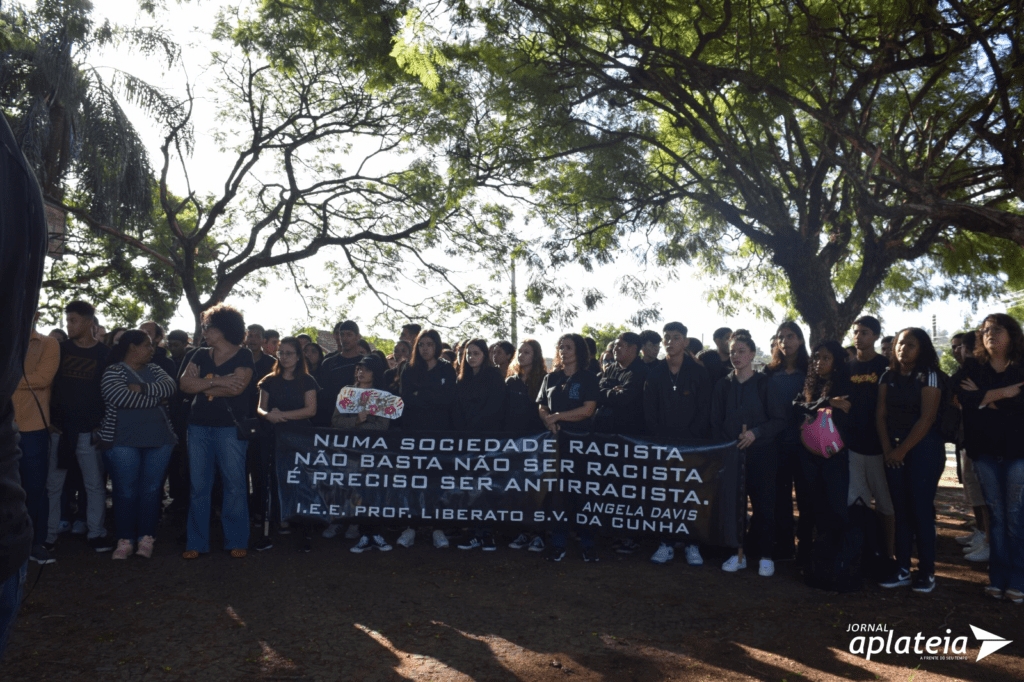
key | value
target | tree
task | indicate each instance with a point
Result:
(603, 334)
(835, 154)
(68, 118)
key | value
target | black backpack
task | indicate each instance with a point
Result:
(841, 560)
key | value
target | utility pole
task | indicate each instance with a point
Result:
(934, 328)
(515, 307)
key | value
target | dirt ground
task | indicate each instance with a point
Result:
(426, 614)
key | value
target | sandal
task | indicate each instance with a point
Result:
(1014, 596)
(238, 553)
(994, 592)
(190, 554)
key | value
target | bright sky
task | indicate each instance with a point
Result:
(282, 308)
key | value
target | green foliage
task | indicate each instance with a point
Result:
(387, 346)
(603, 334)
(787, 151)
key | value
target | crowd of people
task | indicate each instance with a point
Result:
(196, 424)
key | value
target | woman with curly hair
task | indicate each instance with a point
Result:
(827, 478)
(909, 394)
(218, 377)
(135, 390)
(568, 395)
(993, 407)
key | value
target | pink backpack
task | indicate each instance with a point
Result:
(820, 435)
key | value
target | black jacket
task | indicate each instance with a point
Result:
(428, 397)
(480, 402)
(678, 406)
(622, 411)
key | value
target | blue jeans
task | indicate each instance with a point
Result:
(210, 446)
(34, 466)
(10, 601)
(137, 477)
(1002, 483)
(912, 488)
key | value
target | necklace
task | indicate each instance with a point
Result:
(674, 378)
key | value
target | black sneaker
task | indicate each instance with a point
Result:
(923, 583)
(590, 554)
(49, 546)
(306, 545)
(628, 546)
(100, 544)
(41, 556)
(470, 542)
(262, 544)
(488, 544)
(554, 553)
(899, 579)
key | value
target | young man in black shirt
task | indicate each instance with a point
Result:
(677, 404)
(77, 411)
(338, 371)
(650, 345)
(867, 468)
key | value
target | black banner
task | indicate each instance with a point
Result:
(691, 491)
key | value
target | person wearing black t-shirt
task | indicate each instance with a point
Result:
(908, 404)
(989, 389)
(263, 365)
(867, 468)
(337, 371)
(287, 395)
(677, 404)
(77, 411)
(219, 378)
(788, 371)
(568, 399)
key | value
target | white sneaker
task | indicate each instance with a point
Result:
(330, 531)
(537, 544)
(967, 539)
(981, 554)
(978, 543)
(407, 537)
(352, 532)
(766, 568)
(663, 554)
(693, 557)
(440, 541)
(522, 541)
(734, 563)
(361, 546)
